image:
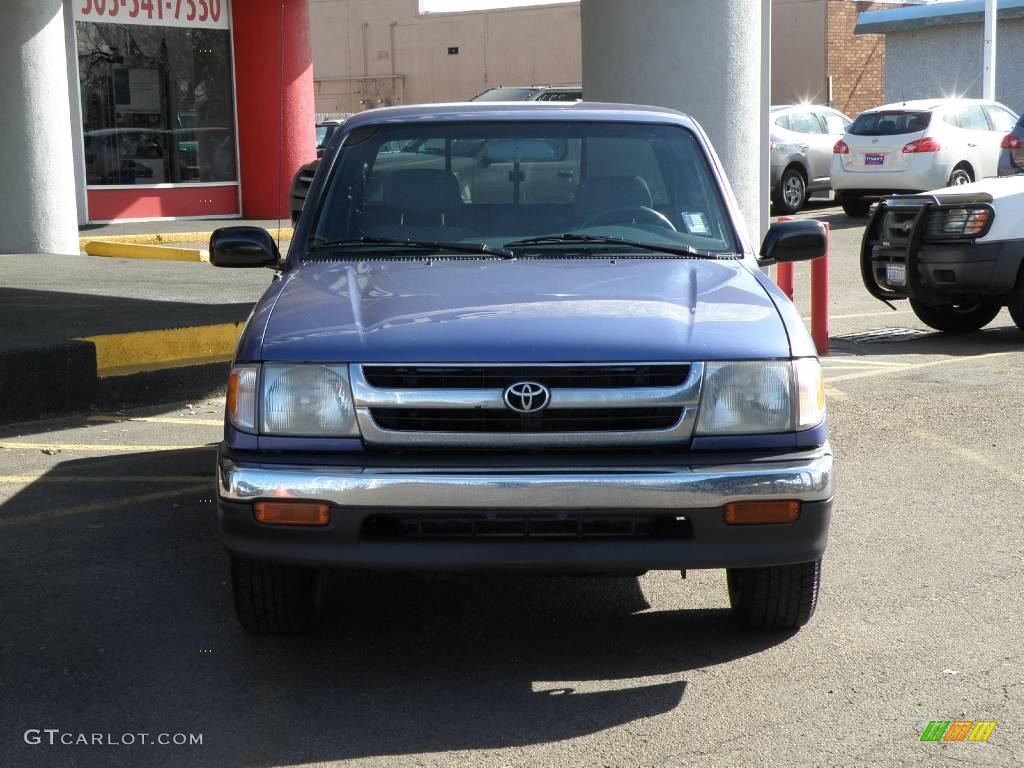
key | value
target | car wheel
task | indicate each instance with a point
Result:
(776, 597)
(1016, 302)
(959, 176)
(956, 318)
(273, 599)
(856, 207)
(791, 194)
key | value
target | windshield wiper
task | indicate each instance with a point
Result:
(577, 237)
(428, 245)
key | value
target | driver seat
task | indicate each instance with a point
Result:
(604, 193)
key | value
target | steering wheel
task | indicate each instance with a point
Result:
(634, 214)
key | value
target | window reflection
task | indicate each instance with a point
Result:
(157, 104)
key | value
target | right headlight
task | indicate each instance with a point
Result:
(307, 401)
(759, 397)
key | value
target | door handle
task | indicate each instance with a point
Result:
(565, 174)
(971, 146)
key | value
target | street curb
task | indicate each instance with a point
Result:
(145, 367)
(121, 250)
(158, 238)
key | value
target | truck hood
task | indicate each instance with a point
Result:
(526, 310)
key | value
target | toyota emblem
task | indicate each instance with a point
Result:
(527, 397)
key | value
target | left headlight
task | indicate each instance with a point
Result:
(307, 400)
(759, 397)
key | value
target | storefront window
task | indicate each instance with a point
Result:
(157, 103)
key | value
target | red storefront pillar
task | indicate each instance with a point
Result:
(274, 84)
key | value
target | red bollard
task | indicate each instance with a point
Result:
(784, 278)
(784, 271)
(819, 297)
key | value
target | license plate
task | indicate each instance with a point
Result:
(874, 159)
(895, 274)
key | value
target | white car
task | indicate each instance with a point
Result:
(915, 146)
(801, 140)
(956, 253)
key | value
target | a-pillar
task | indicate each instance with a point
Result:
(38, 213)
(696, 56)
(274, 84)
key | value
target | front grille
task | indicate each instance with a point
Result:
(491, 377)
(525, 526)
(457, 405)
(508, 422)
(898, 226)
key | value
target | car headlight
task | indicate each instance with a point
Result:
(307, 400)
(743, 398)
(958, 223)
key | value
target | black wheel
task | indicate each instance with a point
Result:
(791, 194)
(857, 207)
(955, 318)
(273, 599)
(960, 175)
(1016, 303)
(776, 597)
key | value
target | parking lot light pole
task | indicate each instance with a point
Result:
(988, 81)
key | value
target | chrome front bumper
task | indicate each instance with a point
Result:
(668, 488)
(694, 493)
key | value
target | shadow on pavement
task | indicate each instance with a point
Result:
(118, 619)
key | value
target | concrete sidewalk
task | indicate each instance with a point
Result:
(82, 332)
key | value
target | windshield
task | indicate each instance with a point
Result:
(499, 182)
(890, 123)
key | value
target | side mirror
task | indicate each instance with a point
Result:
(792, 241)
(243, 247)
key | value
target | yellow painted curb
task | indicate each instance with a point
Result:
(139, 251)
(119, 354)
(158, 238)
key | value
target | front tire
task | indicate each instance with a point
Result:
(273, 599)
(791, 194)
(775, 597)
(855, 207)
(956, 319)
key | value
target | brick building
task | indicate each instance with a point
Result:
(817, 58)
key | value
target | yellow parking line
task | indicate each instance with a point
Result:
(887, 313)
(100, 448)
(909, 367)
(966, 453)
(833, 362)
(103, 506)
(75, 479)
(836, 394)
(159, 420)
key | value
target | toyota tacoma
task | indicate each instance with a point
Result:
(546, 345)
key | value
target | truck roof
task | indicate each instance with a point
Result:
(585, 111)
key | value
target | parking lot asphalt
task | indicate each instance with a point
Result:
(118, 617)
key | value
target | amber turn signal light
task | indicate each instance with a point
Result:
(761, 512)
(292, 513)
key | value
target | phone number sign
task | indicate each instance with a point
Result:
(205, 14)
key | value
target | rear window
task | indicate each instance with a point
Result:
(890, 123)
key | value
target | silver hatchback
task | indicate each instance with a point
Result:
(801, 141)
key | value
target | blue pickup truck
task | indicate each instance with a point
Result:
(528, 338)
